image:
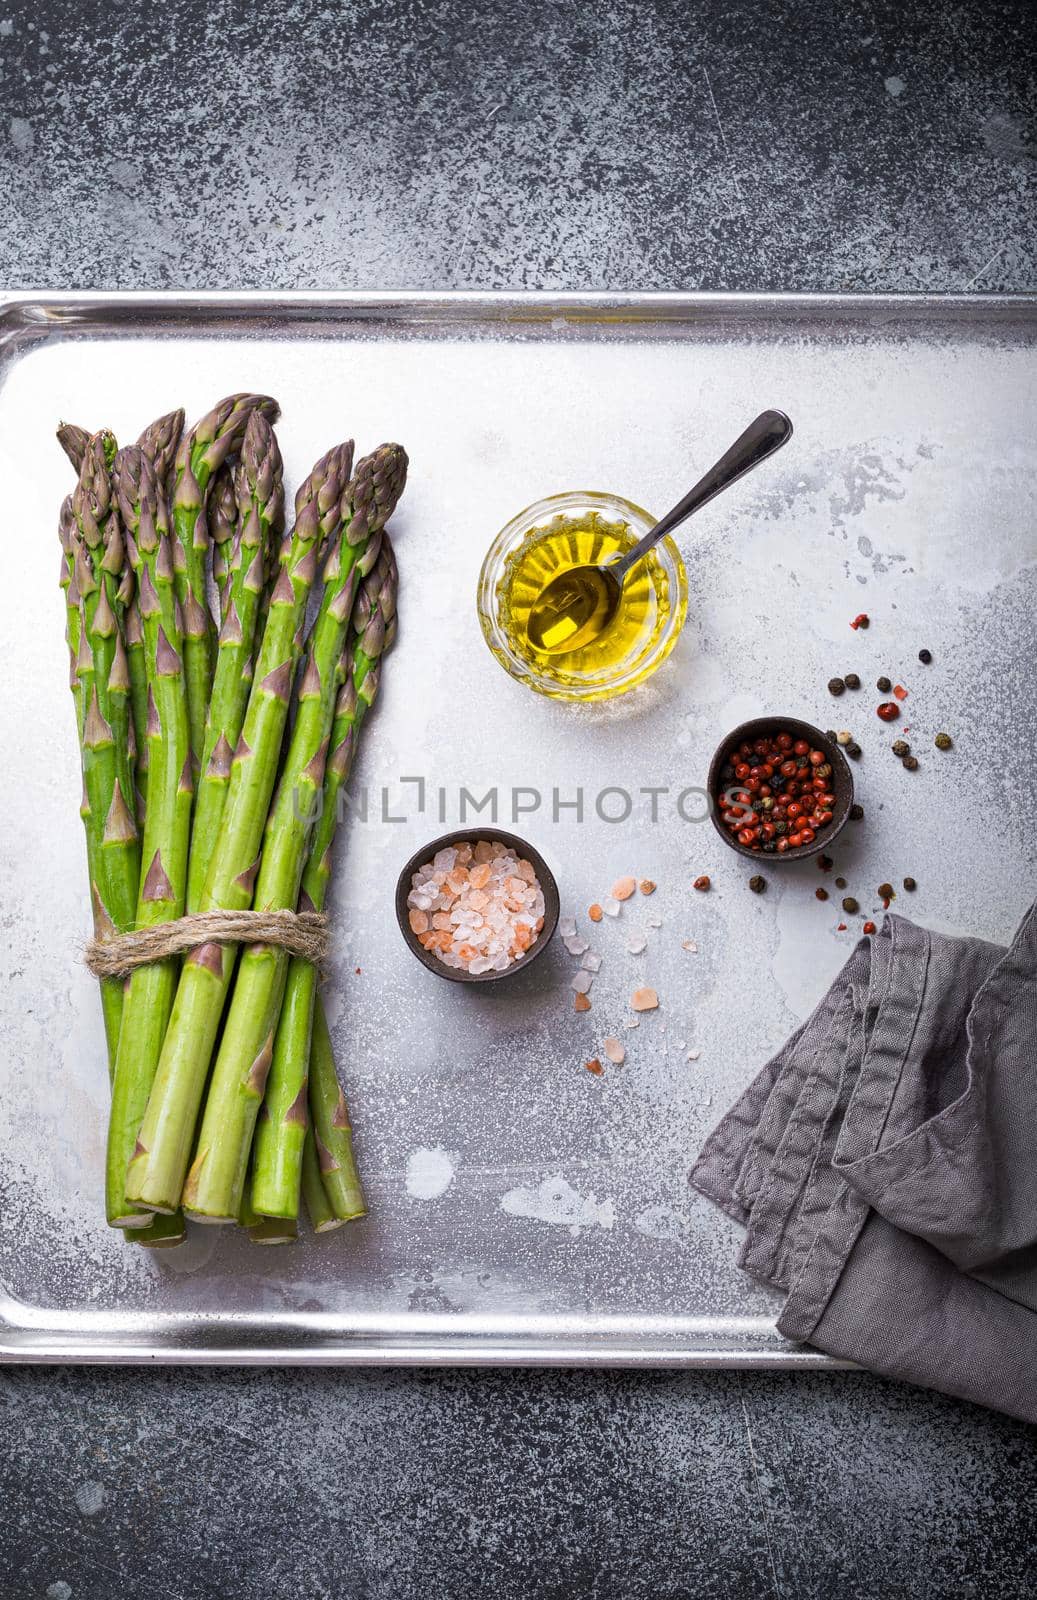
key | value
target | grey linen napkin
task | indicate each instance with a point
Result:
(884, 1165)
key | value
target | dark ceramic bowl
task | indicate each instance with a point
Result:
(842, 785)
(545, 877)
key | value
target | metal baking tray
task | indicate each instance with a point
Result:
(521, 1210)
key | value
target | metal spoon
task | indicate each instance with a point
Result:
(576, 607)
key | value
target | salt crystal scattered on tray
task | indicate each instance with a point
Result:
(612, 907)
(644, 1000)
(693, 1055)
(591, 962)
(567, 927)
(582, 981)
(614, 1050)
(632, 1022)
(637, 944)
(623, 888)
(478, 908)
(689, 944)
(655, 922)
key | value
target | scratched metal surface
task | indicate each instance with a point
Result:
(521, 1210)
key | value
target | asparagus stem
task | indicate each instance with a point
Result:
(163, 886)
(282, 1125)
(214, 1183)
(332, 1131)
(166, 1136)
(94, 558)
(259, 504)
(201, 453)
(318, 1206)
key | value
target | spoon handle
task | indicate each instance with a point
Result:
(761, 438)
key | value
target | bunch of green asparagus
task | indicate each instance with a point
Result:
(217, 731)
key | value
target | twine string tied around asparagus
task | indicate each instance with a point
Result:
(300, 933)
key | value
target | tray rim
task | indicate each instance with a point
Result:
(28, 313)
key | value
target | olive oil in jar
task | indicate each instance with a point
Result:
(562, 545)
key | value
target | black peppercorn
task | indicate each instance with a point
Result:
(853, 750)
(910, 885)
(856, 812)
(781, 828)
(911, 763)
(757, 884)
(825, 863)
(836, 686)
(883, 685)
(900, 747)
(830, 733)
(925, 656)
(850, 904)
(943, 741)
(852, 681)
(840, 883)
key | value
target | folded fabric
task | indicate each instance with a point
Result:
(884, 1164)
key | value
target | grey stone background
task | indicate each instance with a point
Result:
(621, 145)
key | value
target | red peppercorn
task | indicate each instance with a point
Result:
(821, 894)
(742, 771)
(807, 835)
(869, 927)
(746, 836)
(795, 809)
(702, 883)
(800, 748)
(784, 741)
(788, 769)
(889, 711)
(817, 758)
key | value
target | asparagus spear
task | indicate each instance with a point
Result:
(167, 826)
(332, 1131)
(161, 1232)
(260, 506)
(95, 556)
(222, 523)
(160, 442)
(73, 440)
(281, 1130)
(318, 1205)
(202, 452)
(218, 1171)
(156, 1172)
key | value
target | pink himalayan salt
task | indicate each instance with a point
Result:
(486, 906)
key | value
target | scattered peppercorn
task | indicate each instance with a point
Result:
(861, 621)
(840, 883)
(925, 656)
(830, 733)
(821, 894)
(757, 884)
(840, 927)
(900, 747)
(852, 681)
(836, 686)
(889, 711)
(850, 905)
(910, 885)
(911, 763)
(843, 736)
(869, 927)
(884, 685)
(853, 750)
(885, 892)
(856, 812)
(825, 863)
(943, 741)
(702, 884)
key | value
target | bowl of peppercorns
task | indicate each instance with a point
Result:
(779, 788)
